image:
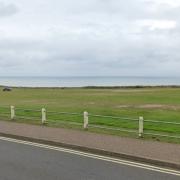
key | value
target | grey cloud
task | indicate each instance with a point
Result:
(93, 37)
(8, 9)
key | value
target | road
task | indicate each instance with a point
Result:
(30, 161)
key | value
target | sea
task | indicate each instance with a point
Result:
(84, 81)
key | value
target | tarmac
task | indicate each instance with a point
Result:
(147, 151)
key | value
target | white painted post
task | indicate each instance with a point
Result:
(86, 120)
(12, 112)
(43, 115)
(141, 126)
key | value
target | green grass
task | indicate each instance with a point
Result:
(151, 103)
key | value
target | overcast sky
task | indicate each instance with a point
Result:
(90, 37)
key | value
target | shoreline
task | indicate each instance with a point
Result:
(97, 87)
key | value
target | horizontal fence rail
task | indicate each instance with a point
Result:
(163, 122)
(139, 126)
(113, 117)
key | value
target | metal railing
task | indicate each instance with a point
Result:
(139, 126)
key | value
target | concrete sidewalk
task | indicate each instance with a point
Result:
(163, 154)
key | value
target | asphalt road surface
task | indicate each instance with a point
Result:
(28, 162)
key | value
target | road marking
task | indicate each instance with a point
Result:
(99, 157)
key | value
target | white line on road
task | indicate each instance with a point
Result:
(99, 157)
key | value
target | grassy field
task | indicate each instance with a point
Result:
(152, 103)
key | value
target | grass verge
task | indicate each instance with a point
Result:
(162, 104)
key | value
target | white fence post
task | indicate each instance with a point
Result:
(12, 112)
(141, 126)
(43, 115)
(86, 120)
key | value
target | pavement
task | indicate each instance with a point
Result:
(152, 152)
(28, 162)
